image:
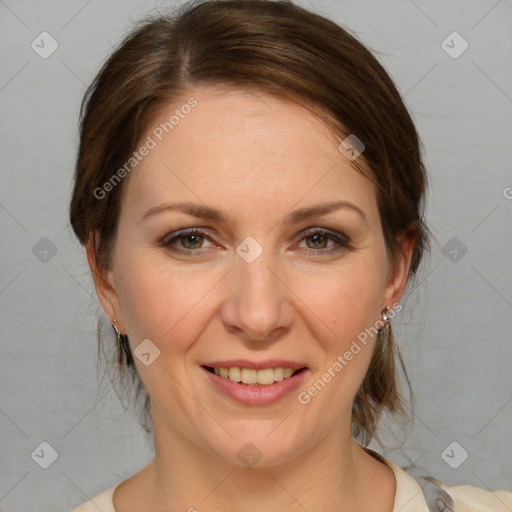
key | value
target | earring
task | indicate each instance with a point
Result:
(114, 325)
(124, 352)
(385, 317)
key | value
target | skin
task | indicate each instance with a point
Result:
(305, 298)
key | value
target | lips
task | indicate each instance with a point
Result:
(255, 382)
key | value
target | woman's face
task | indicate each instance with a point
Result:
(271, 279)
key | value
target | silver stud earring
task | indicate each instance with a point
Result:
(385, 317)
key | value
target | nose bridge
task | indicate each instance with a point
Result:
(257, 303)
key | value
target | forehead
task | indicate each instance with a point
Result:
(234, 145)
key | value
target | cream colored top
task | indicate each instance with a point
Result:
(410, 496)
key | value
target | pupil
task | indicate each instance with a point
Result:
(317, 238)
(192, 239)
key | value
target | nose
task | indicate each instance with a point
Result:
(258, 305)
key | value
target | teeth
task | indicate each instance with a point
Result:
(249, 375)
(253, 377)
(287, 372)
(235, 374)
(278, 374)
(264, 377)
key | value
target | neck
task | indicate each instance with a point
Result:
(336, 475)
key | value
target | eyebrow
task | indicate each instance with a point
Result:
(209, 213)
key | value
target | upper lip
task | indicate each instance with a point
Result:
(257, 365)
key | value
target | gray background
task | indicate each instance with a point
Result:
(454, 331)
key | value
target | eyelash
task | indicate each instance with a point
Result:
(341, 239)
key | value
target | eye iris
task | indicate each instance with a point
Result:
(195, 244)
(317, 238)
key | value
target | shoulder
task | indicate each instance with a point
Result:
(101, 502)
(464, 498)
(426, 494)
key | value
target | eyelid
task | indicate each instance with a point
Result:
(336, 236)
(184, 232)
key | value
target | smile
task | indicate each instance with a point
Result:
(263, 386)
(253, 377)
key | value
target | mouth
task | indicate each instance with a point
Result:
(253, 376)
(255, 384)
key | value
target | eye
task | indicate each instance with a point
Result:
(188, 241)
(319, 238)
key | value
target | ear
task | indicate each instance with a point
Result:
(398, 275)
(104, 283)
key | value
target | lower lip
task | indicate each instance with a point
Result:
(257, 395)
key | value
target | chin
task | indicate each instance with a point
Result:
(255, 446)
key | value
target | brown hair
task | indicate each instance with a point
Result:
(281, 49)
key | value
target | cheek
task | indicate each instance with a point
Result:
(161, 301)
(346, 304)
(345, 300)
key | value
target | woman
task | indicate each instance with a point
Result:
(250, 192)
